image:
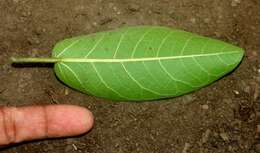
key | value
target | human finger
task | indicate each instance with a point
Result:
(36, 122)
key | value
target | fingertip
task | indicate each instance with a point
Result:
(87, 120)
(68, 120)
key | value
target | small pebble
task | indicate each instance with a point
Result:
(66, 91)
(94, 23)
(205, 136)
(74, 146)
(186, 147)
(193, 20)
(187, 99)
(236, 92)
(205, 107)
(224, 136)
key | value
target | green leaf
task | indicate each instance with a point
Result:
(142, 63)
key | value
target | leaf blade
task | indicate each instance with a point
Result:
(146, 62)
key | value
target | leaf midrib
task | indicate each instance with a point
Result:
(113, 60)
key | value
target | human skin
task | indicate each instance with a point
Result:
(18, 124)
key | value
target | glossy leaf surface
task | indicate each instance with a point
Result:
(143, 63)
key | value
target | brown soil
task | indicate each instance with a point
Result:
(219, 118)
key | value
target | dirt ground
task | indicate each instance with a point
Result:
(220, 118)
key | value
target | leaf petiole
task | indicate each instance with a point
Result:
(34, 60)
